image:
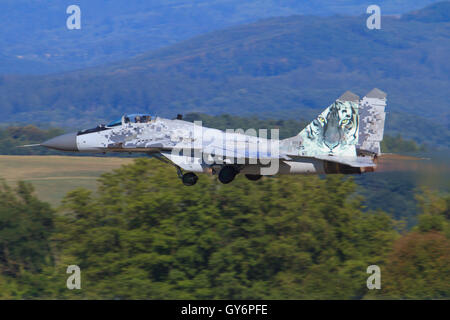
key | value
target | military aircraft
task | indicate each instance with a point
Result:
(344, 138)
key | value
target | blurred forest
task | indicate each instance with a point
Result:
(145, 236)
(11, 137)
(34, 41)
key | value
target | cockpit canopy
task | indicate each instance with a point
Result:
(133, 118)
(128, 118)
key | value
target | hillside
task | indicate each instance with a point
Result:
(34, 38)
(286, 67)
(438, 12)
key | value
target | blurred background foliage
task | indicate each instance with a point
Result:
(34, 40)
(145, 236)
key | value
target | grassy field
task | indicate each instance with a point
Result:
(54, 176)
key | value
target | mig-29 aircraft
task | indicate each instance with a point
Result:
(344, 138)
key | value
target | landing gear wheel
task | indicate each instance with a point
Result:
(227, 174)
(189, 179)
(253, 177)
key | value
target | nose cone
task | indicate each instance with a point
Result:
(65, 142)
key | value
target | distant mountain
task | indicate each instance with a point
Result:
(286, 67)
(439, 12)
(35, 40)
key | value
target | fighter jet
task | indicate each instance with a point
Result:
(344, 138)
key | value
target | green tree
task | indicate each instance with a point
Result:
(419, 266)
(146, 236)
(26, 225)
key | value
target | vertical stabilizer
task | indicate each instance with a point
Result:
(372, 117)
(333, 133)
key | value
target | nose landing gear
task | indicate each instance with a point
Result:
(188, 178)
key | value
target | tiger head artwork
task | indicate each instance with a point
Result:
(333, 132)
